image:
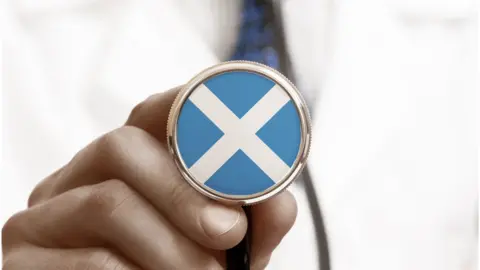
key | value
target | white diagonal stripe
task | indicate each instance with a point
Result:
(266, 108)
(262, 155)
(213, 108)
(214, 158)
(239, 133)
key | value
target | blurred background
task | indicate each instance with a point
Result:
(391, 85)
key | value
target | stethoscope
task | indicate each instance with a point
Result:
(205, 92)
(240, 133)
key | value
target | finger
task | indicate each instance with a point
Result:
(272, 220)
(43, 190)
(108, 214)
(39, 258)
(151, 115)
(137, 158)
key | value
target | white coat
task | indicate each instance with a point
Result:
(392, 84)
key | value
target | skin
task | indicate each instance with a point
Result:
(120, 203)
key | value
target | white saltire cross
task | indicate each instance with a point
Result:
(239, 133)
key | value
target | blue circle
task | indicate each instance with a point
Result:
(245, 171)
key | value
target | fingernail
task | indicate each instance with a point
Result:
(217, 220)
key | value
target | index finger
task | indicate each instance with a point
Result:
(151, 115)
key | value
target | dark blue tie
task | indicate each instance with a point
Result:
(256, 36)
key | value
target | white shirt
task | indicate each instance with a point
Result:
(392, 84)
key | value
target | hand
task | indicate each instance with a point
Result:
(120, 203)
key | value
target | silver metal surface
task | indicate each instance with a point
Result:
(278, 78)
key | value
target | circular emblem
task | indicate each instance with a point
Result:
(239, 132)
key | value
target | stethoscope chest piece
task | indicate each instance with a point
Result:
(239, 132)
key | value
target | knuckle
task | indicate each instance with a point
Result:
(111, 142)
(116, 140)
(11, 223)
(180, 195)
(35, 196)
(44, 189)
(107, 197)
(11, 229)
(136, 111)
(141, 110)
(115, 147)
(152, 114)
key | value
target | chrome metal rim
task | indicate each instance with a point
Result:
(305, 125)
